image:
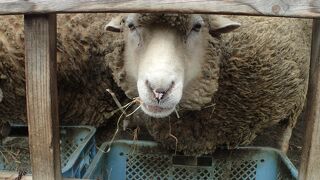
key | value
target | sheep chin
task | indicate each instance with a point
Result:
(157, 111)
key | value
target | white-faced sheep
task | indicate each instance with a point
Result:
(226, 87)
(242, 81)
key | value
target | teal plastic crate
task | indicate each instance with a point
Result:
(77, 150)
(140, 160)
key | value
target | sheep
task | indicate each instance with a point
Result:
(226, 86)
(212, 111)
(83, 74)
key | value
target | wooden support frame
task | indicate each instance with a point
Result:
(14, 176)
(42, 104)
(40, 49)
(310, 160)
(296, 8)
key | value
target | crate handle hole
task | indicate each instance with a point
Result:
(192, 161)
(184, 160)
(204, 161)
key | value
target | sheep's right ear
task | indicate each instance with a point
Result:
(115, 24)
(219, 25)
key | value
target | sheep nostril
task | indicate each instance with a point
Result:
(159, 94)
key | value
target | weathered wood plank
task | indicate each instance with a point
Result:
(296, 8)
(42, 110)
(8, 175)
(310, 159)
(13, 175)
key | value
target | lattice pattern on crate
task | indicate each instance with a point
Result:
(181, 173)
(67, 148)
(245, 169)
(148, 167)
(155, 166)
(219, 169)
(14, 153)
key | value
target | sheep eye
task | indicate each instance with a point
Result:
(196, 27)
(131, 26)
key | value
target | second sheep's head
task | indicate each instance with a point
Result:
(165, 52)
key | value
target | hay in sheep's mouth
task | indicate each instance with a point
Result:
(124, 113)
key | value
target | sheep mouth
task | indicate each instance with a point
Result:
(157, 111)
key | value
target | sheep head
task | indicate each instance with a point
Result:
(164, 54)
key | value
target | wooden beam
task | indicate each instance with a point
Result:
(296, 8)
(8, 175)
(42, 108)
(310, 159)
(13, 175)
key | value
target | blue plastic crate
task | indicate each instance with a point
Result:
(77, 148)
(141, 160)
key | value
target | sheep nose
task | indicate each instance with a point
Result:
(160, 93)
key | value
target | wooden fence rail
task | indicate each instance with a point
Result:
(292, 8)
(40, 33)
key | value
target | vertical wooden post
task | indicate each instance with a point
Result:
(42, 104)
(310, 159)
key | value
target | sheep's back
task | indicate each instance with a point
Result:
(83, 73)
(264, 77)
(265, 73)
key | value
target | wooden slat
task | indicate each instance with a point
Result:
(294, 8)
(310, 160)
(12, 176)
(43, 124)
(8, 175)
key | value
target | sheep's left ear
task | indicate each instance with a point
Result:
(116, 24)
(219, 25)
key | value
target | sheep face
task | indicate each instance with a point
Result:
(162, 59)
(163, 53)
